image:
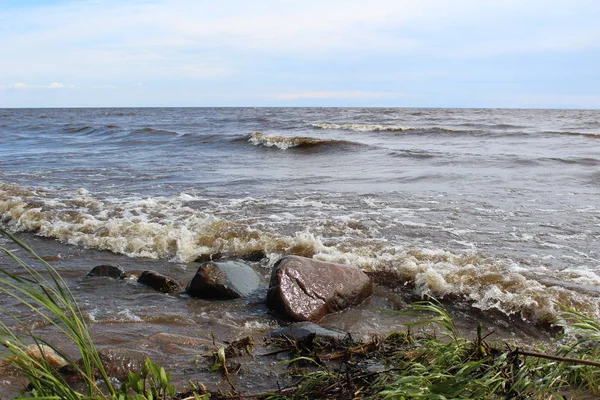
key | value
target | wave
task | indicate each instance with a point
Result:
(109, 128)
(175, 229)
(494, 126)
(588, 161)
(90, 130)
(381, 128)
(417, 154)
(284, 143)
(80, 129)
(157, 131)
(117, 132)
(594, 135)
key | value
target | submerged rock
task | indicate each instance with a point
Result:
(41, 352)
(301, 330)
(159, 282)
(254, 256)
(111, 271)
(202, 258)
(304, 289)
(117, 363)
(223, 280)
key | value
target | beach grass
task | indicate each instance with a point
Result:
(427, 359)
(438, 363)
(49, 370)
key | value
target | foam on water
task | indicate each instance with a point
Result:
(262, 325)
(380, 127)
(170, 228)
(97, 315)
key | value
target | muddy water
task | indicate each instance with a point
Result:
(132, 321)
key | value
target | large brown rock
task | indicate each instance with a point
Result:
(305, 289)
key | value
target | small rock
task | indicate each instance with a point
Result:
(254, 256)
(117, 363)
(304, 289)
(301, 330)
(111, 271)
(42, 352)
(223, 280)
(159, 282)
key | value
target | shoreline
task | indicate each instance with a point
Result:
(185, 346)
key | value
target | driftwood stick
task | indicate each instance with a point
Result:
(557, 358)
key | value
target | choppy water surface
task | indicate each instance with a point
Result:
(497, 208)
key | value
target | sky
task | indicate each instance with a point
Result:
(371, 53)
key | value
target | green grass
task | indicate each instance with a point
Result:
(47, 295)
(440, 364)
(428, 359)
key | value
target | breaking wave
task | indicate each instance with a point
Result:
(175, 229)
(380, 128)
(284, 143)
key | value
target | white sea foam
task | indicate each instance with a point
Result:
(362, 127)
(256, 325)
(378, 127)
(98, 315)
(412, 224)
(186, 197)
(168, 229)
(128, 316)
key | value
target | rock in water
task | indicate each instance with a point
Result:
(42, 352)
(254, 256)
(223, 280)
(159, 282)
(111, 271)
(305, 289)
(301, 330)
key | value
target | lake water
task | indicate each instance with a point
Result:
(496, 209)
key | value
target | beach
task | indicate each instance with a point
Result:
(493, 211)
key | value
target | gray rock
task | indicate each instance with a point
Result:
(301, 330)
(223, 280)
(111, 271)
(304, 289)
(159, 282)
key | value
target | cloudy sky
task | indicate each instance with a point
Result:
(400, 53)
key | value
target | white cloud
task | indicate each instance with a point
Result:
(27, 86)
(355, 94)
(56, 85)
(165, 38)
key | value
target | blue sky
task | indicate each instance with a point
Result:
(398, 53)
